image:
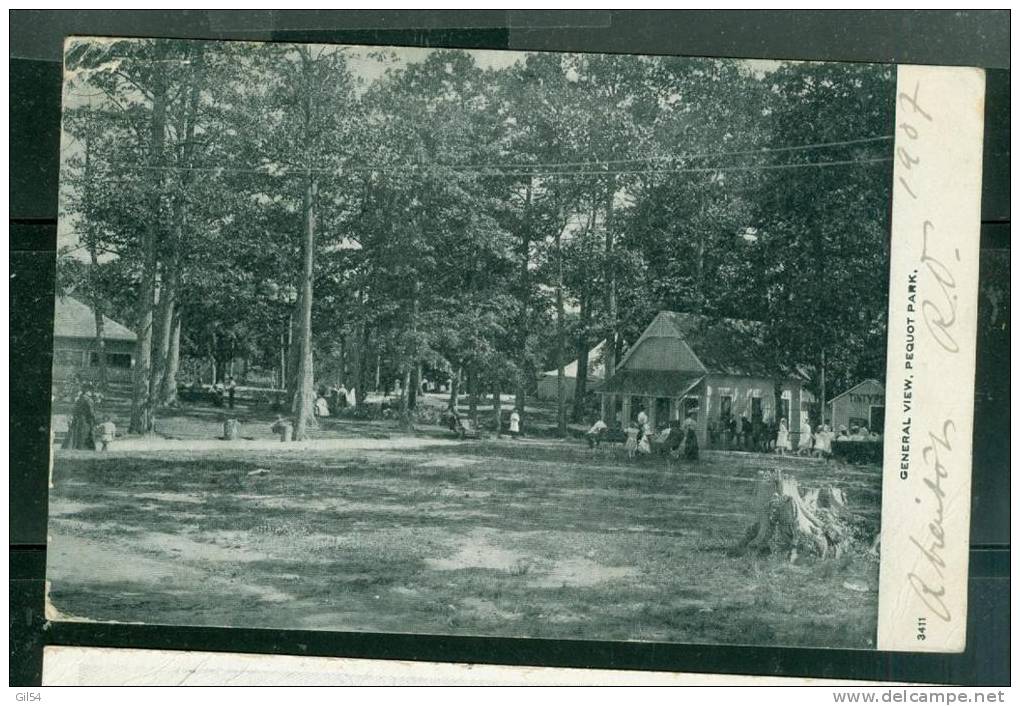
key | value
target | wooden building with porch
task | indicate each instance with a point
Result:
(690, 365)
(74, 343)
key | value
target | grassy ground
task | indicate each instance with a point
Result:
(492, 537)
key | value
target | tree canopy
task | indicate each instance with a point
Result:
(478, 219)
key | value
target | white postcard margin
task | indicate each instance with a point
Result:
(933, 286)
(106, 666)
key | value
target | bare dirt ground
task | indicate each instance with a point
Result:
(413, 534)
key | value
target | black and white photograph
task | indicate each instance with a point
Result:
(458, 342)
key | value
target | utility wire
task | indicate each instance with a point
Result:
(669, 158)
(524, 167)
(494, 171)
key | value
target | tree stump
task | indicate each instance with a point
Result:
(787, 522)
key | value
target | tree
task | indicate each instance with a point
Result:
(823, 230)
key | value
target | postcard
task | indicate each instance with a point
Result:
(515, 344)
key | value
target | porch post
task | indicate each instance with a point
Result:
(625, 412)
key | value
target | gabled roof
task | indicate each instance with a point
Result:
(596, 365)
(657, 383)
(72, 319)
(722, 346)
(858, 386)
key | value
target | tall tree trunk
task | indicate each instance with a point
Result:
(472, 381)
(91, 241)
(415, 389)
(405, 407)
(497, 411)
(407, 399)
(168, 390)
(523, 365)
(454, 389)
(302, 399)
(293, 351)
(361, 391)
(581, 381)
(97, 310)
(162, 327)
(141, 400)
(282, 378)
(610, 294)
(561, 348)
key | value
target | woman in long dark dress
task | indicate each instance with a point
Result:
(690, 440)
(81, 433)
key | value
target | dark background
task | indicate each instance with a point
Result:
(975, 38)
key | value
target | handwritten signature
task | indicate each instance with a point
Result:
(932, 590)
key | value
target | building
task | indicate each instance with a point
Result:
(861, 405)
(548, 383)
(74, 342)
(689, 365)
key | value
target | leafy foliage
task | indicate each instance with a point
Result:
(468, 220)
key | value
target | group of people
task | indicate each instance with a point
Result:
(84, 432)
(329, 402)
(746, 434)
(459, 425)
(680, 438)
(764, 436)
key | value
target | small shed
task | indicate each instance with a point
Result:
(861, 405)
(74, 342)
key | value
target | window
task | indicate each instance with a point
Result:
(725, 406)
(691, 405)
(118, 360)
(113, 360)
(68, 358)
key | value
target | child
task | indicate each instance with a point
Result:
(804, 444)
(644, 445)
(632, 441)
(782, 438)
(515, 424)
(106, 431)
(823, 442)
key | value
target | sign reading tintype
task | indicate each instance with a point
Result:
(514, 344)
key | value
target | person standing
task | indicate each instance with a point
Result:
(81, 431)
(515, 423)
(690, 439)
(783, 438)
(632, 440)
(231, 389)
(107, 433)
(804, 444)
